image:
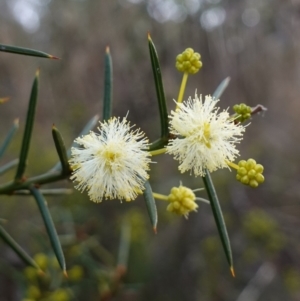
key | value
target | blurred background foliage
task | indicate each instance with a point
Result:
(254, 42)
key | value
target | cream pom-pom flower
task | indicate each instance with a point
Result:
(113, 163)
(206, 139)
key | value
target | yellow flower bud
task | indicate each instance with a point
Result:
(243, 112)
(30, 273)
(76, 273)
(60, 295)
(250, 173)
(182, 201)
(259, 178)
(188, 61)
(33, 292)
(42, 260)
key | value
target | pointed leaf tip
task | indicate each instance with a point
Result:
(52, 57)
(221, 88)
(28, 129)
(155, 230)
(218, 216)
(17, 248)
(47, 218)
(61, 150)
(26, 51)
(37, 73)
(107, 50)
(65, 274)
(149, 36)
(108, 86)
(159, 87)
(41, 273)
(232, 271)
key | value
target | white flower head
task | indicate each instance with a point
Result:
(112, 163)
(205, 138)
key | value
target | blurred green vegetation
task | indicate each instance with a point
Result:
(255, 43)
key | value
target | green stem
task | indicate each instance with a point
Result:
(233, 165)
(158, 152)
(182, 88)
(159, 196)
(202, 200)
(9, 166)
(46, 178)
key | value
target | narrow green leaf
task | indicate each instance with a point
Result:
(124, 244)
(42, 204)
(17, 248)
(108, 86)
(89, 126)
(26, 51)
(217, 212)
(150, 204)
(9, 137)
(163, 111)
(221, 88)
(216, 208)
(8, 166)
(61, 150)
(28, 129)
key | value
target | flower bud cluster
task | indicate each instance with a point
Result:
(188, 61)
(182, 201)
(250, 173)
(243, 111)
(39, 285)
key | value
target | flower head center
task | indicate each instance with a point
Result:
(204, 135)
(111, 156)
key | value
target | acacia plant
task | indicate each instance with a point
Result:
(114, 162)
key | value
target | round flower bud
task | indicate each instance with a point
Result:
(30, 273)
(242, 111)
(182, 201)
(250, 173)
(42, 260)
(188, 61)
(33, 292)
(76, 273)
(60, 295)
